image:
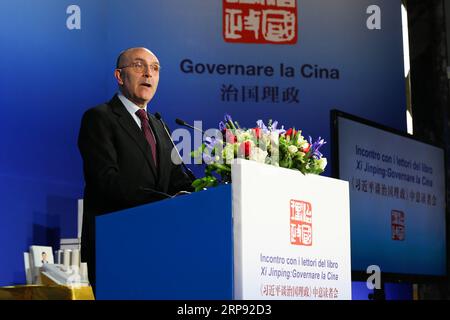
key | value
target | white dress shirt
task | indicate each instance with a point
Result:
(131, 108)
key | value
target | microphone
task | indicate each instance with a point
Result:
(162, 195)
(184, 123)
(187, 170)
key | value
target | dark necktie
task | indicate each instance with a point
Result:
(142, 114)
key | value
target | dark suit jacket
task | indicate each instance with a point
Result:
(118, 168)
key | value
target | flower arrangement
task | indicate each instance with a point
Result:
(267, 144)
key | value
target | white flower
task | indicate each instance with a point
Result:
(304, 144)
(266, 139)
(300, 139)
(258, 155)
(243, 135)
(292, 149)
(322, 163)
(229, 153)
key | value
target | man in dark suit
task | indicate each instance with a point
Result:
(126, 151)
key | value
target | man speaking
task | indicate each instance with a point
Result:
(126, 151)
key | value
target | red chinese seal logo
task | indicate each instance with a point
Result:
(301, 223)
(260, 21)
(398, 227)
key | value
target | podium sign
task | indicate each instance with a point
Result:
(291, 234)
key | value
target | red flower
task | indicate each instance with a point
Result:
(305, 150)
(229, 136)
(245, 148)
(290, 133)
(257, 132)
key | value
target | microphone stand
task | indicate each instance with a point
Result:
(187, 170)
(184, 123)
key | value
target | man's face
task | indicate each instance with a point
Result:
(138, 86)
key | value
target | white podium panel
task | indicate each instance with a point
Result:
(291, 234)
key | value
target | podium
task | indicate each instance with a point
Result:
(274, 233)
(178, 248)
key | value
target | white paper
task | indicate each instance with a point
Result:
(75, 258)
(66, 258)
(28, 274)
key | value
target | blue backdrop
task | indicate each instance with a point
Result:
(52, 74)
